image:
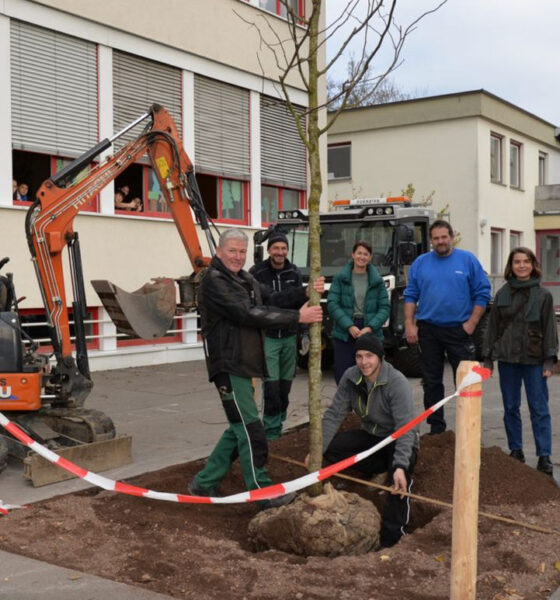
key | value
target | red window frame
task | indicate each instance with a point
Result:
(301, 199)
(245, 193)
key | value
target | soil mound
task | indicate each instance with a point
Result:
(203, 552)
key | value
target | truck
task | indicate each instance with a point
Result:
(46, 398)
(397, 231)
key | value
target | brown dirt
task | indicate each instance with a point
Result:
(202, 552)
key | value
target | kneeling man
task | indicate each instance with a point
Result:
(382, 397)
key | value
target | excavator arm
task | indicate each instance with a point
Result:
(49, 229)
(49, 404)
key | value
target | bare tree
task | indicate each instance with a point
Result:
(367, 92)
(369, 26)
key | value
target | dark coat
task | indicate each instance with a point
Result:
(518, 340)
(280, 280)
(233, 319)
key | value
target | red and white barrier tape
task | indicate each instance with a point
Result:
(476, 375)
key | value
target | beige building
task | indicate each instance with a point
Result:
(481, 156)
(75, 72)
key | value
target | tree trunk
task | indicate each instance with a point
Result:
(316, 189)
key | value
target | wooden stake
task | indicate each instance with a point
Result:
(465, 488)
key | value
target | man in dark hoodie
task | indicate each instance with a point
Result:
(277, 274)
(233, 321)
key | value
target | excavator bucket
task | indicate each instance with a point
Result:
(147, 313)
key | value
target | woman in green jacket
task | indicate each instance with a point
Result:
(358, 303)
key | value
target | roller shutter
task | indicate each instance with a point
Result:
(54, 91)
(283, 156)
(137, 84)
(221, 128)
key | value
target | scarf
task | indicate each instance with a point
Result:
(505, 295)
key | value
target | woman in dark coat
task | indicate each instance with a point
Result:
(358, 303)
(522, 337)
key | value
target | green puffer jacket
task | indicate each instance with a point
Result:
(340, 302)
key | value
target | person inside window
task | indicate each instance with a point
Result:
(122, 203)
(21, 192)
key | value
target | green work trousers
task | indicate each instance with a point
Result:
(244, 438)
(281, 354)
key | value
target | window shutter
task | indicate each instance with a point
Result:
(54, 91)
(283, 156)
(221, 129)
(137, 84)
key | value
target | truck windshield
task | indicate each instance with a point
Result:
(337, 240)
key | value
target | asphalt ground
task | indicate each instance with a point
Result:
(174, 416)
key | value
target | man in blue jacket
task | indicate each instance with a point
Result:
(447, 292)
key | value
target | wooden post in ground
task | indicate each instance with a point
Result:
(465, 489)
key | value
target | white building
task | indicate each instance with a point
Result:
(482, 156)
(75, 72)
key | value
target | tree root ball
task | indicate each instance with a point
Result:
(333, 524)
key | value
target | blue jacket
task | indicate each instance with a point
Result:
(446, 288)
(340, 302)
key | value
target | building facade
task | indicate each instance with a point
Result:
(478, 157)
(75, 72)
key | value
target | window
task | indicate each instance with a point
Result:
(496, 158)
(279, 7)
(274, 199)
(514, 239)
(543, 168)
(224, 199)
(548, 253)
(515, 164)
(31, 169)
(339, 161)
(53, 90)
(496, 250)
(139, 186)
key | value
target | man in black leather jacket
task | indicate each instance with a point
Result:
(233, 321)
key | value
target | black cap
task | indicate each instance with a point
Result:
(371, 343)
(277, 236)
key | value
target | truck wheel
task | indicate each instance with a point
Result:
(407, 361)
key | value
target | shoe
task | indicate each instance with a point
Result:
(276, 502)
(545, 465)
(518, 455)
(195, 490)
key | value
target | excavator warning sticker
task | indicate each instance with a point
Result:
(163, 166)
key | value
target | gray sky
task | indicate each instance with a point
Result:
(510, 48)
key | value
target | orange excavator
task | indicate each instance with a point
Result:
(48, 402)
